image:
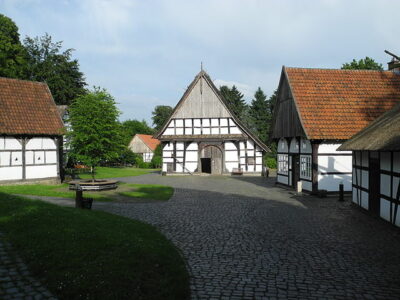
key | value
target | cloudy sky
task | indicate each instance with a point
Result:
(145, 53)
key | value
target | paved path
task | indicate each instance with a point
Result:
(16, 281)
(243, 238)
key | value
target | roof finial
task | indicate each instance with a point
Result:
(201, 66)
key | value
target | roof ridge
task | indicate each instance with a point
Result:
(341, 70)
(23, 80)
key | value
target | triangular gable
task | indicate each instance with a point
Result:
(149, 141)
(286, 119)
(203, 100)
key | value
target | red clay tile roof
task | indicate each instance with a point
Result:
(27, 107)
(336, 104)
(151, 142)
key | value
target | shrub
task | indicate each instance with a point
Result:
(156, 162)
(271, 162)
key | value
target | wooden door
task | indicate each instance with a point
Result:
(374, 185)
(214, 154)
(295, 169)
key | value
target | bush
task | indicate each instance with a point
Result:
(271, 162)
(156, 162)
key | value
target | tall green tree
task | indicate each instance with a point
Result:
(235, 100)
(261, 115)
(95, 131)
(161, 113)
(366, 63)
(12, 53)
(47, 62)
(132, 127)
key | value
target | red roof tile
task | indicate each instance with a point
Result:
(336, 104)
(27, 107)
(151, 142)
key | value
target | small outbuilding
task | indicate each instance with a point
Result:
(376, 166)
(316, 111)
(144, 145)
(30, 132)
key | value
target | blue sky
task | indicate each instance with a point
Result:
(145, 53)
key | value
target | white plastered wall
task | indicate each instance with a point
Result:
(10, 159)
(332, 161)
(41, 158)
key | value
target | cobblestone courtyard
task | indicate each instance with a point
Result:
(244, 238)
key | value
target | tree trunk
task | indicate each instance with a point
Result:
(92, 171)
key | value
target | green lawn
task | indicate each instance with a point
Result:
(148, 191)
(84, 254)
(58, 190)
(107, 172)
(133, 192)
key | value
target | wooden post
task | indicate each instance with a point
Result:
(341, 192)
(78, 197)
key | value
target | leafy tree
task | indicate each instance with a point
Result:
(161, 113)
(131, 127)
(12, 53)
(156, 161)
(235, 100)
(261, 115)
(47, 63)
(363, 64)
(95, 131)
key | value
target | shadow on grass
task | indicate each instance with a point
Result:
(82, 254)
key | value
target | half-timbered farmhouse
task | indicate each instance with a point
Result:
(144, 145)
(319, 109)
(376, 166)
(30, 132)
(204, 136)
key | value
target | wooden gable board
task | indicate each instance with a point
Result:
(286, 120)
(203, 100)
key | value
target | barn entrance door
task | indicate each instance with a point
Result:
(374, 184)
(295, 169)
(211, 160)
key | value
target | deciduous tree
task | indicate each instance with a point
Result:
(95, 132)
(366, 63)
(12, 53)
(47, 62)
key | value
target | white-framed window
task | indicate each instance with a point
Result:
(283, 164)
(305, 166)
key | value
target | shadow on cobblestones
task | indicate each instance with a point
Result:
(246, 239)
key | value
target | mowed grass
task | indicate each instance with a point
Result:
(134, 191)
(148, 191)
(84, 254)
(107, 172)
(57, 190)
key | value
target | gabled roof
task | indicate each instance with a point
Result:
(382, 134)
(27, 107)
(336, 104)
(150, 142)
(206, 77)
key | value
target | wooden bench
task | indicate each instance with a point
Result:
(237, 171)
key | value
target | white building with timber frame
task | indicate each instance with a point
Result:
(204, 136)
(30, 132)
(376, 166)
(316, 111)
